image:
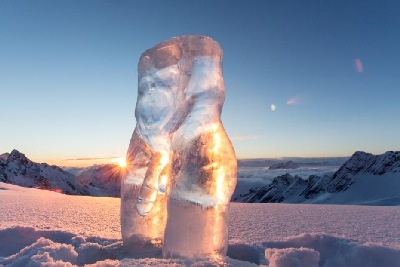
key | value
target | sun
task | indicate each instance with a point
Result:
(121, 162)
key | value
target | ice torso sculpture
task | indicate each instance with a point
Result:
(179, 147)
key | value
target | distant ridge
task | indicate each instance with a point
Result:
(17, 169)
(284, 165)
(362, 179)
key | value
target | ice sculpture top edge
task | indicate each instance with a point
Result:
(170, 51)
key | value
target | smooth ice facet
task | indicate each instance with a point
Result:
(181, 163)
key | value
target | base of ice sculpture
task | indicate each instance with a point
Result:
(137, 246)
(142, 235)
(195, 231)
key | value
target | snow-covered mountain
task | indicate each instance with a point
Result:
(17, 169)
(364, 163)
(363, 179)
(281, 188)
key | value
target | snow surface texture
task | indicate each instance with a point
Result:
(43, 228)
(181, 166)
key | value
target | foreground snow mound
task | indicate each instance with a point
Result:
(308, 250)
(26, 246)
(288, 257)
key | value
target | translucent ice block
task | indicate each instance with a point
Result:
(181, 163)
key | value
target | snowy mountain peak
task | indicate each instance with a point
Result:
(374, 164)
(360, 171)
(364, 163)
(16, 155)
(17, 169)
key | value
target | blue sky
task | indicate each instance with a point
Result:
(68, 77)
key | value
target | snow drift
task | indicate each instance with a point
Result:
(25, 246)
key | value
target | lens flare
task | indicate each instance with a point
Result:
(293, 101)
(273, 107)
(358, 65)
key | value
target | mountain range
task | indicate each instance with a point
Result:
(363, 179)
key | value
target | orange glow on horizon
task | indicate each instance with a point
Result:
(80, 162)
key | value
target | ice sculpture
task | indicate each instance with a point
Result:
(181, 165)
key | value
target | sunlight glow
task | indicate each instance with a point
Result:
(218, 171)
(218, 176)
(121, 162)
(164, 174)
(164, 159)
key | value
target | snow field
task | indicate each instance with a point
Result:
(42, 228)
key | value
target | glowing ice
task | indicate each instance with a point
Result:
(179, 147)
